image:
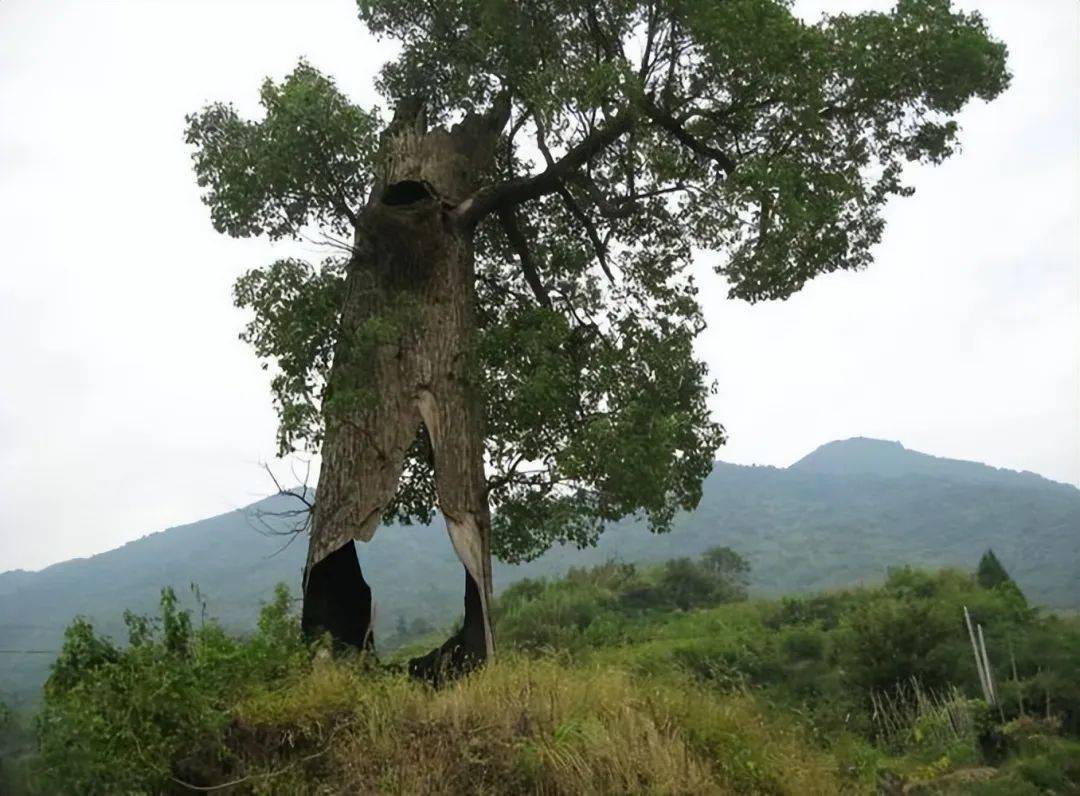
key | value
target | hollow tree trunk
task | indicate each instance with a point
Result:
(404, 362)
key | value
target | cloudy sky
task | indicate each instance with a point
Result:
(128, 405)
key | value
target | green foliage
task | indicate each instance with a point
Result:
(804, 532)
(789, 136)
(873, 673)
(717, 579)
(131, 719)
(598, 606)
(892, 640)
(914, 629)
(16, 749)
(296, 310)
(308, 161)
(613, 403)
(611, 681)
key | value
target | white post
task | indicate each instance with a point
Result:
(986, 666)
(978, 658)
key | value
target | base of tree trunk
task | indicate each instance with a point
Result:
(337, 600)
(461, 653)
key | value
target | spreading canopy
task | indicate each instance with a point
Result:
(635, 133)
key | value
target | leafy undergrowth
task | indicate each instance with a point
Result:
(610, 681)
(881, 680)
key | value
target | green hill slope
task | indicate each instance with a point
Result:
(836, 518)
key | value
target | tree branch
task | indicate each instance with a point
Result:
(668, 122)
(590, 229)
(508, 219)
(524, 189)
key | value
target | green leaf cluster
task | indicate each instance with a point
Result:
(297, 308)
(308, 161)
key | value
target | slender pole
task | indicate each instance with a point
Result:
(1016, 680)
(978, 658)
(986, 668)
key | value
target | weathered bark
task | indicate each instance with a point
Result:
(407, 338)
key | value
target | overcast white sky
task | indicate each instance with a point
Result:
(128, 405)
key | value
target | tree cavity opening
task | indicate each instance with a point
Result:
(407, 192)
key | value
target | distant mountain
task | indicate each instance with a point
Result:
(840, 516)
(862, 456)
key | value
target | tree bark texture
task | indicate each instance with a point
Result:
(403, 362)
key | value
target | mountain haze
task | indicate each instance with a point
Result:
(838, 517)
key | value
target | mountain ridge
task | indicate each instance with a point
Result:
(820, 460)
(890, 458)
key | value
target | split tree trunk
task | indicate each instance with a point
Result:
(403, 363)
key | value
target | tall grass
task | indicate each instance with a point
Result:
(909, 712)
(520, 726)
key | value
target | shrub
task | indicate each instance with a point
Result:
(824, 610)
(748, 697)
(891, 641)
(686, 585)
(803, 644)
(594, 606)
(133, 719)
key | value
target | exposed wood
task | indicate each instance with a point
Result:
(986, 668)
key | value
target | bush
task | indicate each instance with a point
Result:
(889, 641)
(595, 606)
(133, 719)
(823, 610)
(804, 644)
(639, 696)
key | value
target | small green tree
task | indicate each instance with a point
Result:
(726, 563)
(719, 576)
(991, 573)
(510, 322)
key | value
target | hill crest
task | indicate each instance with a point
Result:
(866, 456)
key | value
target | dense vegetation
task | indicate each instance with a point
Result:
(618, 678)
(836, 519)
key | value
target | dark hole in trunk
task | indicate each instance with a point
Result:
(406, 192)
(337, 600)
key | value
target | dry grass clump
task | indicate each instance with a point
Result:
(520, 726)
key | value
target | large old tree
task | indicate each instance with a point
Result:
(507, 333)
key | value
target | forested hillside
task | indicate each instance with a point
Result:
(838, 517)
